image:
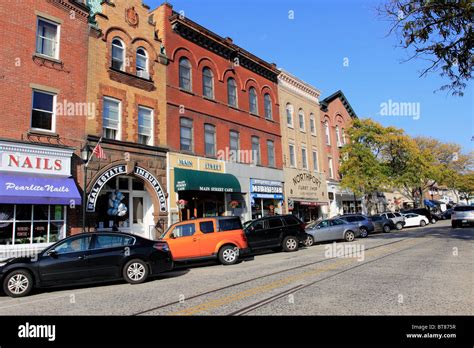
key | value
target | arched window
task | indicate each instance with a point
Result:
(301, 120)
(267, 100)
(118, 54)
(232, 92)
(289, 115)
(326, 131)
(338, 136)
(312, 124)
(142, 63)
(185, 74)
(253, 106)
(343, 137)
(207, 83)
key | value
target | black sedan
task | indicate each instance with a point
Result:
(86, 258)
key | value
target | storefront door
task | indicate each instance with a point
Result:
(142, 212)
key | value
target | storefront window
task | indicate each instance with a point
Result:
(26, 224)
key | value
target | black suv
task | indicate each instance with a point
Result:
(275, 232)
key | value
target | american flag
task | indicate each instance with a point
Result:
(99, 151)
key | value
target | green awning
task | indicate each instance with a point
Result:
(195, 180)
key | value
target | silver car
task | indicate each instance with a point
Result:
(462, 215)
(331, 229)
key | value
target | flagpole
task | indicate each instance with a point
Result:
(92, 153)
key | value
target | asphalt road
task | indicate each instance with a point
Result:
(417, 271)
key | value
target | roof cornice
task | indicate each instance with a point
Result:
(298, 86)
(344, 101)
(222, 46)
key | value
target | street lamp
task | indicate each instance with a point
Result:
(85, 154)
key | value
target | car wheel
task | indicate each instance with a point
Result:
(422, 223)
(228, 254)
(349, 236)
(399, 226)
(135, 271)
(18, 283)
(309, 241)
(433, 221)
(453, 224)
(386, 228)
(363, 232)
(290, 243)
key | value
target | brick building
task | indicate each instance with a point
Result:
(222, 105)
(305, 183)
(127, 86)
(336, 117)
(43, 62)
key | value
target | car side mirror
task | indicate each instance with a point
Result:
(172, 236)
(52, 253)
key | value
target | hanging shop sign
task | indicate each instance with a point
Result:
(305, 185)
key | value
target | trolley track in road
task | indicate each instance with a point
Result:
(169, 304)
(266, 301)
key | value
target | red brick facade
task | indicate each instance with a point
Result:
(216, 111)
(20, 67)
(337, 112)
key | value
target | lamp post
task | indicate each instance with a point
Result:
(85, 156)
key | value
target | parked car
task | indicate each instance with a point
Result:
(396, 218)
(86, 258)
(276, 232)
(221, 238)
(412, 219)
(382, 224)
(365, 225)
(425, 212)
(462, 215)
(332, 229)
(446, 215)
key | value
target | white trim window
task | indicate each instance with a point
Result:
(312, 124)
(207, 83)
(315, 160)
(142, 63)
(301, 120)
(47, 38)
(289, 115)
(118, 54)
(331, 168)
(145, 125)
(271, 153)
(43, 115)
(343, 137)
(267, 102)
(326, 132)
(231, 92)
(256, 157)
(338, 136)
(111, 118)
(291, 149)
(304, 157)
(186, 134)
(185, 75)
(210, 139)
(253, 104)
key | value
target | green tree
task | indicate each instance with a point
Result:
(465, 186)
(437, 31)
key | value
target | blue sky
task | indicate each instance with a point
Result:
(323, 35)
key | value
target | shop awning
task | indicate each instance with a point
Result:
(195, 180)
(39, 189)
